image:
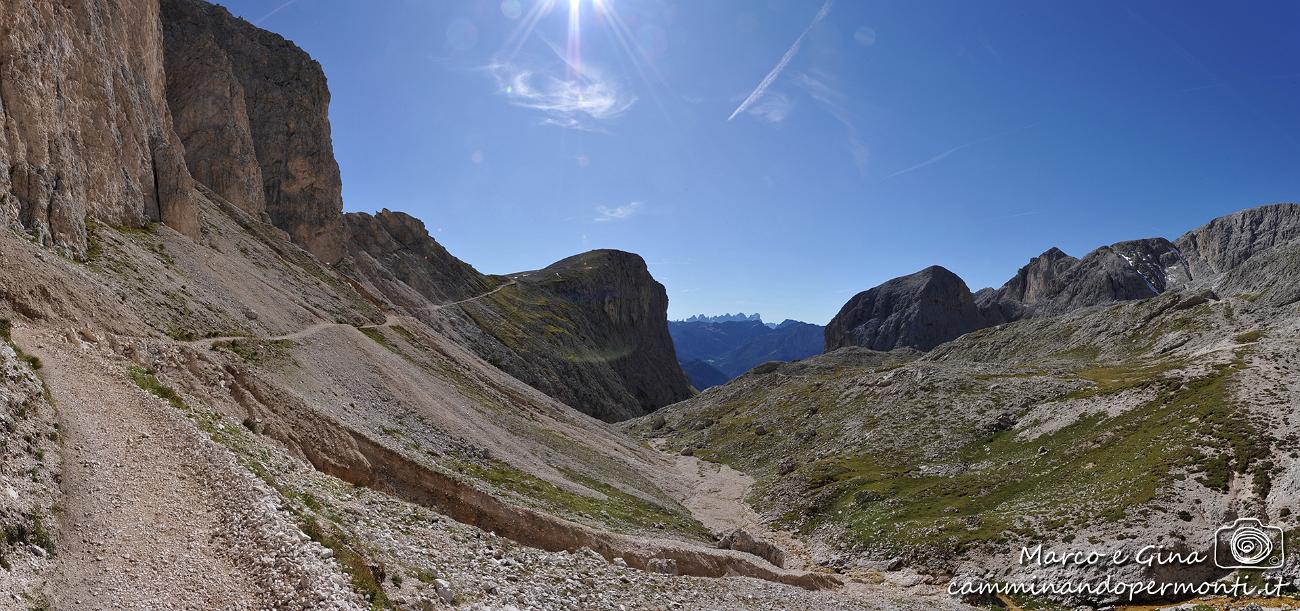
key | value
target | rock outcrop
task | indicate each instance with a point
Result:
(393, 254)
(1036, 283)
(210, 116)
(1228, 241)
(590, 330)
(921, 310)
(283, 109)
(895, 313)
(86, 129)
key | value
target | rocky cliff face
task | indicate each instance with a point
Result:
(1229, 241)
(921, 310)
(590, 330)
(237, 89)
(86, 130)
(392, 253)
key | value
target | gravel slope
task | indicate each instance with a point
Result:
(155, 515)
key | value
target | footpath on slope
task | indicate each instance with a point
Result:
(207, 342)
(137, 526)
(153, 513)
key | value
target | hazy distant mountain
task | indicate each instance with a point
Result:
(703, 375)
(733, 347)
(737, 317)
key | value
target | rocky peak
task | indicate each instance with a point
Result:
(1228, 241)
(1123, 271)
(920, 310)
(250, 104)
(1037, 282)
(1054, 282)
(618, 306)
(395, 246)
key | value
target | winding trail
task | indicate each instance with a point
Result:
(207, 342)
(137, 508)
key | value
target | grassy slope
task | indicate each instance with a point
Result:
(911, 460)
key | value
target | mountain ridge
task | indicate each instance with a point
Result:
(934, 306)
(720, 351)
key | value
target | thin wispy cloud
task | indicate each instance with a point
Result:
(605, 214)
(772, 75)
(571, 103)
(773, 108)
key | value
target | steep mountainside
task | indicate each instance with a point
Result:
(252, 111)
(702, 375)
(590, 330)
(268, 94)
(1143, 421)
(734, 347)
(709, 340)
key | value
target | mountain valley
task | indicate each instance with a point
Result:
(218, 389)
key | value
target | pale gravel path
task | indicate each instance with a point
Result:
(138, 522)
(207, 342)
(716, 497)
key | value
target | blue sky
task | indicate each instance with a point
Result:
(892, 136)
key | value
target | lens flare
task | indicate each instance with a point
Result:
(573, 54)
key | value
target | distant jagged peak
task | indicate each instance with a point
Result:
(737, 317)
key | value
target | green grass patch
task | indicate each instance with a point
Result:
(1082, 353)
(348, 552)
(1112, 379)
(29, 530)
(6, 333)
(618, 509)
(148, 381)
(256, 351)
(1096, 469)
(1249, 337)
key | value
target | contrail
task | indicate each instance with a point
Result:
(785, 59)
(273, 12)
(945, 154)
(935, 159)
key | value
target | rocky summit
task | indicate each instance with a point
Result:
(921, 311)
(934, 306)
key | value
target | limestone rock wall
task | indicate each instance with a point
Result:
(84, 124)
(276, 102)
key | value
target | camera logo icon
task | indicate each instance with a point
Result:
(1248, 544)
